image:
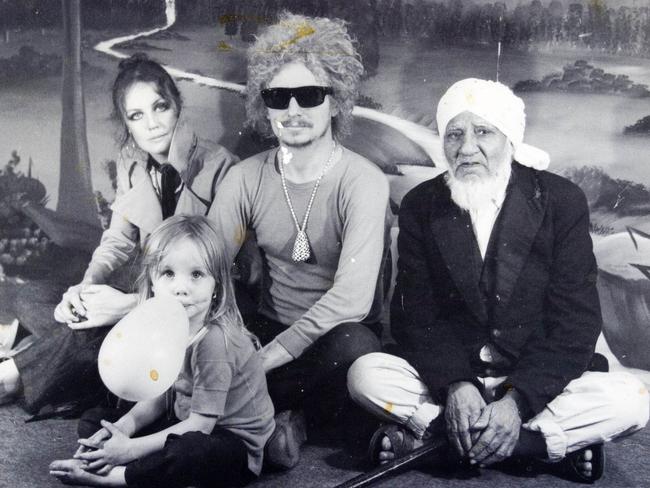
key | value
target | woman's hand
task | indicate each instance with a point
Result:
(71, 309)
(116, 450)
(103, 305)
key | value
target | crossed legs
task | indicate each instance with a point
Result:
(592, 409)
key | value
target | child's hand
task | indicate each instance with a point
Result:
(95, 441)
(115, 451)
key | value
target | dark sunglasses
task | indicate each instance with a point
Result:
(306, 96)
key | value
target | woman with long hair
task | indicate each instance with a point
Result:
(163, 169)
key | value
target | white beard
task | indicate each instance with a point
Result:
(477, 193)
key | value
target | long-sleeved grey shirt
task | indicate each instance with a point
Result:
(345, 229)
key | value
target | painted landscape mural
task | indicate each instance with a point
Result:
(582, 68)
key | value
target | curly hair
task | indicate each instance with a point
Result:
(324, 46)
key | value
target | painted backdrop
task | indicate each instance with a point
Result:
(582, 68)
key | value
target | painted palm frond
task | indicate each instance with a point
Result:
(636, 234)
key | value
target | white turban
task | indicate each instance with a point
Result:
(498, 105)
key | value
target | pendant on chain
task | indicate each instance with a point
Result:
(301, 251)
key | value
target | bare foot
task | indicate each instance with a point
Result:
(583, 464)
(386, 454)
(72, 472)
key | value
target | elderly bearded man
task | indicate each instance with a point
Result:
(496, 313)
(318, 211)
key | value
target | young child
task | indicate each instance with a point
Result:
(222, 413)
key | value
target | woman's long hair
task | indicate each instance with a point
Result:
(200, 231)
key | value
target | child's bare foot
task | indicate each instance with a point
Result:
(73, 472)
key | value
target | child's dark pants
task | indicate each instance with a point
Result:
(219, 459)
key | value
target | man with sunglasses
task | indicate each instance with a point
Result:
(319, 214)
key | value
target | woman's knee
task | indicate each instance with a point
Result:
(34, 305)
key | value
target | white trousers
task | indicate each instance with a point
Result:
(595, 408)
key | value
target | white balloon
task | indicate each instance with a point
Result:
(143, 353)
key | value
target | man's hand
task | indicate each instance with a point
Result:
(499, 426)
(274, 355)
(464, 406)
(103, 306)
(114, 451)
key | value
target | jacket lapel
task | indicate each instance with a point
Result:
(519, 221)
(181, 150)
(193, 199)
(140, 204)
(453, 233)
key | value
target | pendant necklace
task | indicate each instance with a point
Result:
(301, 250)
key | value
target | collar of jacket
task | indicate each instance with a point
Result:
(140, 204)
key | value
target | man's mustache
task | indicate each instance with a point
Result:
(294, 122)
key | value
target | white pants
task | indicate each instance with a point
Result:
(597, 407)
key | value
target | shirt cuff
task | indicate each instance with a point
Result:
(208, 402)
(294, 342)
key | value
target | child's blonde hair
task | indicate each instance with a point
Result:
(199, 230)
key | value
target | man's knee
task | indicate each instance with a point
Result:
(608, 404)
(364, 376)
(628, 400)
(349, 341)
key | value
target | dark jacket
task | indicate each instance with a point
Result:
(534, 301)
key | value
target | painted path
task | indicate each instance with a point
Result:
(426, 139)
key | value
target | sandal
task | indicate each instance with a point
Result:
(571, 469)
(401, 444)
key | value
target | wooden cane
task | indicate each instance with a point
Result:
(393, 467)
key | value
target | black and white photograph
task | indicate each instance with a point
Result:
(324, 243)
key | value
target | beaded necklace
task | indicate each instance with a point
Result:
(301, 249)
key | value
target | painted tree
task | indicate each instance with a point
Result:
(76, 199)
